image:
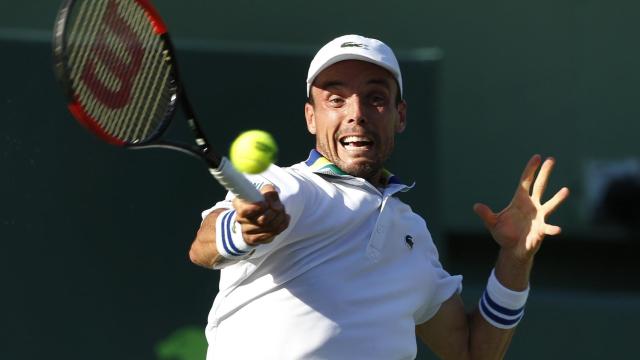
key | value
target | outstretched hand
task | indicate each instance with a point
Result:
(521, 227)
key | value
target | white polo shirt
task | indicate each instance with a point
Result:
(350, 278)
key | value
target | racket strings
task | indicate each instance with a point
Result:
(121, 124)
(118, 68)
(156, 74)
(99, 70)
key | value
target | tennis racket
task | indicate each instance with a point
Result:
(118, 70)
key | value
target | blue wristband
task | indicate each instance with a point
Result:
(502, 307)
(229, 240)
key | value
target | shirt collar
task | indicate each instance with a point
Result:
(321, 165)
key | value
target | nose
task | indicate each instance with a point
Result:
(356, 110)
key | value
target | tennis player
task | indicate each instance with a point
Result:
(332, 265)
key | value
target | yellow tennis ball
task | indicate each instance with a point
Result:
(252, 151)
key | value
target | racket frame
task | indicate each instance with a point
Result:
(219, 166)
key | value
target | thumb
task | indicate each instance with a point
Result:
(271, 196)
(267, 188)
(485, 213)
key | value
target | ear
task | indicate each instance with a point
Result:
(401, 124)
(309, 115)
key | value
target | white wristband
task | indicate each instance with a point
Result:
(229, 240)
(502, 307)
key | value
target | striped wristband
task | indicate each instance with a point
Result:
(502, 307)
(229, 240)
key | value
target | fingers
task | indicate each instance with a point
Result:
(272, 198)
(262, 233)
(485, 213)
(552, 204)
(552, 230)
(248, 212)
(529, 173)
(251, 211)
(273, 227)
(542, 179)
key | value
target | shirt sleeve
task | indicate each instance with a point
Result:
(445, 285)
(288, 187)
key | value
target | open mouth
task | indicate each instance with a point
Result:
(356, 142)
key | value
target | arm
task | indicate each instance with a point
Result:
(453, 334)
(260, 223)
(203, 250)
(448, 333)
(519, 229)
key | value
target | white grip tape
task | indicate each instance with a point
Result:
(235, 182)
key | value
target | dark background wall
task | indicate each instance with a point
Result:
(94, 239)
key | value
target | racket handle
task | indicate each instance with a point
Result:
(235, 182)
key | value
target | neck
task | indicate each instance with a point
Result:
(378, 180)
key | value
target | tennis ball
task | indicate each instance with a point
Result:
(252, 151)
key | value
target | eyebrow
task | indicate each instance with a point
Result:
(330, 84)
(380, 81)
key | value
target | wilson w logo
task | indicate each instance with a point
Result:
(116, 53)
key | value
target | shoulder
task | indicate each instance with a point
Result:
(297, 186)
(287, 180)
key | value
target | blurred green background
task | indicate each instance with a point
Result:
(95, 239)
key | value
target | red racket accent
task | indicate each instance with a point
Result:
(116, 63)
(85, 119)
(158, 25)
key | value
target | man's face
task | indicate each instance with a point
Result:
(354, 117)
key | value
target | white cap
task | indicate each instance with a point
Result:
(354, 47)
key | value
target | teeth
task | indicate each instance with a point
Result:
(354, 142)
(350, 139)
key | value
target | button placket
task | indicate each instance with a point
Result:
(379, 231)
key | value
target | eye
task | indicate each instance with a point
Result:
(378, 99)
(336, 101)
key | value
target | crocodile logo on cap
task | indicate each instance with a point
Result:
(353, 44)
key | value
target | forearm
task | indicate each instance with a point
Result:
(487, 341)
(513, 273)
(203, 250)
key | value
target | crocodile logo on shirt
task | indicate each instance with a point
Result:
(409, 241)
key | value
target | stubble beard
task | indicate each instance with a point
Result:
(368, 170)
